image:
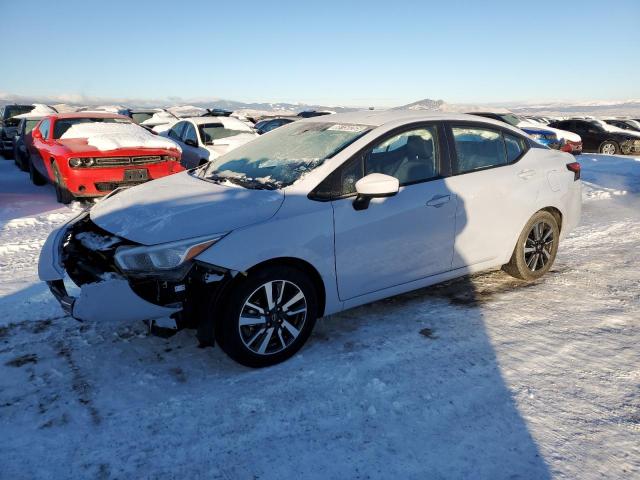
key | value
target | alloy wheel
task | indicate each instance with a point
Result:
(538, 246)
(272, 317)
(609, 148)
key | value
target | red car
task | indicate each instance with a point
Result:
(84, 167)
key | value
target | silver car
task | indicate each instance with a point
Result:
(313, 218)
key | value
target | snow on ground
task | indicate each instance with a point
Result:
(111, 136)
(483, 377)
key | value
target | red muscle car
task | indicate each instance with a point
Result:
(88, 154)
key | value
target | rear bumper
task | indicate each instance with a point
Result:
(105, 301)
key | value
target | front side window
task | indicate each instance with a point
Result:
(280, 158)
(478, 148)
(409, 156)
(190, 134)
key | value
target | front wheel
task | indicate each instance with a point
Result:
(609, 148)
(536, 249)
(63, 195)
(269, 316)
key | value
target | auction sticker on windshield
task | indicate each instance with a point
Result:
(339, 127)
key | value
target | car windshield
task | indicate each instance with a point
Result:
(13, 110)
(210, 132)
(284, 155)
(64, 124)
(512, 119)
(140, 117)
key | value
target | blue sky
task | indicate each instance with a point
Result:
(332, 52)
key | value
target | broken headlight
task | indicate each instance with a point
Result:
(167, 256)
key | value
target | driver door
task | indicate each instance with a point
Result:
(401, 238)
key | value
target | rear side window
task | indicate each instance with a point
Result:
(478, 148)
(515, 147)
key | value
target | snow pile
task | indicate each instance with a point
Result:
(111, 136)
(164, 119)
(482, 377)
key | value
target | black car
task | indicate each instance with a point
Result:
(632, 125)
(268, 124)
(8, 126)
(22, 142)
(312, 113)
(598, 136)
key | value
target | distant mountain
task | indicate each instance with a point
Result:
(597, 108)
(425, 104)
(78, 100)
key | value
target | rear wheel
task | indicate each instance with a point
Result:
(19, 159)
(609, 148)
(536, 249)
(62, 194)
(269, 316)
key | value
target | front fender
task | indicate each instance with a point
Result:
(307, 236)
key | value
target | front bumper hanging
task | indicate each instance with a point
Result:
(111, 299)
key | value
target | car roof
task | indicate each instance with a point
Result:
(87, 114)
(381, 117)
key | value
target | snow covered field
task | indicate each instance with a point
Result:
(483, 377)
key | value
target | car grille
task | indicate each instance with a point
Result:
(122, 161)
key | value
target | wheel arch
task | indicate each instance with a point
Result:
(557, 214)
(304, 266)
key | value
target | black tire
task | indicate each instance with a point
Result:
(35, 176)
(62, 194)
(19, 160)
(532, 264)
(609, 147)
(232, 337)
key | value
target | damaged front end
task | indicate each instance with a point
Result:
(123, 281)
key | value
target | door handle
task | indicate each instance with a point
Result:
(526, 174)
(438, 200)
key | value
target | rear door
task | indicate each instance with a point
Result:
(401, 238)
(38, 148)
(495, 191)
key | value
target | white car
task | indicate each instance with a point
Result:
(313, 218)
(205, 138)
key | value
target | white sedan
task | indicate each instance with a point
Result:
(205, 138)
(313, 218)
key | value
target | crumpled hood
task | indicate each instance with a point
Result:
(182, 206)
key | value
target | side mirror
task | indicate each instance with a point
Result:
(190, 142)
(36, 134)
(374, 185)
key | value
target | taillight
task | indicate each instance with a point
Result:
(575, 168)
